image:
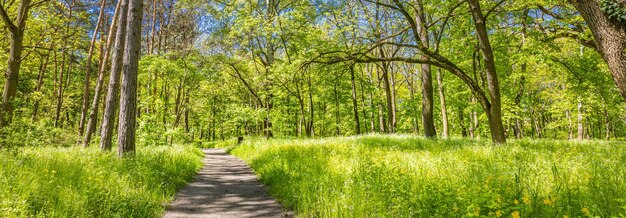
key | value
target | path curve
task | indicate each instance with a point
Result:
(225, 187)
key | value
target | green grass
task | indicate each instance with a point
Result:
(77, 182)
(403, 176)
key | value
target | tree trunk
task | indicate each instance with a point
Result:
(112, 99)
(390, 110)
(128, 99)
(355, 105)
(16, 31)
(92, 45)
(610, 39)
(91, 124)
(444, 109)
(42, 71)
(581, 130)
(493, 107)
(428, 118)
(570, 134)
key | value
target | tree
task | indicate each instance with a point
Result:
(16, 28)
(112, 99)
(128, 99)
(609, 35)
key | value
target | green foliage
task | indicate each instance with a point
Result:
(613, 10)
(25, 133)
(405, 176)
(76, 182)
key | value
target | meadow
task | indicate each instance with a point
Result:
(406, 176)
(78, 182)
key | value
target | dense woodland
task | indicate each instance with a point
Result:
(107, 72)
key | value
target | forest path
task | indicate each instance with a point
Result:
(225, 187)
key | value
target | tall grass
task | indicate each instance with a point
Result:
(402, 176)
(76, 182)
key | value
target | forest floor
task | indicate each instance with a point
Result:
(225, 187)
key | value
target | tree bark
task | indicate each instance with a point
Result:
(428, 118)
(91, 124)
(16, 31)
(128, 99)
(444, 108)
(493, 107)
(42, 71)
(610, 39)
(112, 99)
(92, 45)
(355, 104)
(581, 130)
(63, 70)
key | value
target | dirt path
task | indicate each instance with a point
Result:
(225, 187)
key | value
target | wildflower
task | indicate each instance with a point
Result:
(548, 202)
(585, 211)
(516, 202)
(526, 200)
(565, 216)
(515, 214)
(498, 213)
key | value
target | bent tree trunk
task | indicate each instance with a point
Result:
(108, 119)
(15, 59)
(610, 39)
(128, 102)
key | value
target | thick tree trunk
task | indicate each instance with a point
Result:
(428, 118)
(128, 99)
(444, 108)
(355, 104)
(112, 99)
(92, 46)
(610, 39)
(16, 31)
(93, 114)
(494, 108)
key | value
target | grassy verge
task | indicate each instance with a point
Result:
(401, 176)
(77, 182)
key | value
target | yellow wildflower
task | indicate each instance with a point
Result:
(565, 216)
(498, 213)
(548, 202)
(585, 211)
(516, 202)
(515, 214)
(526, 199)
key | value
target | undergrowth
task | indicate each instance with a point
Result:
(403, 176)
(77, 182)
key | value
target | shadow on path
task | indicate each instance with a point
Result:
(225, 187)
